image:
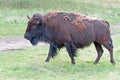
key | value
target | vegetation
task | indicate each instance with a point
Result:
(28, 64)
(13, 12)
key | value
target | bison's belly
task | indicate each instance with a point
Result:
(81, 43)
(83, 39)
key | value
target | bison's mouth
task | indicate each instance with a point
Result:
(34, 41)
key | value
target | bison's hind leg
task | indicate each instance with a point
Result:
(109, 47)
(99, 51)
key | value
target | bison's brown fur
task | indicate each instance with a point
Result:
(74, 19)
(71, 30)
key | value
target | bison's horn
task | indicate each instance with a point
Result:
(28, 16)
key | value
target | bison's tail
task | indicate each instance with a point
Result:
(111, 42)
(110, 39)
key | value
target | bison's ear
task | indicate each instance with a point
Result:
(28, 16)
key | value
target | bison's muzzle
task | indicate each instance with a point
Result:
(27, 36)
(33, 40)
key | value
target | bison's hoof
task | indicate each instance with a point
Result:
(46, 60)
(95, 63)
(73, 62)
(113, 62)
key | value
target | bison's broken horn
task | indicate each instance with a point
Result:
(28, 16)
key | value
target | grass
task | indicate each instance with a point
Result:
(13, 12)
(28, 64)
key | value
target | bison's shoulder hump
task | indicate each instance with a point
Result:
(74, 19)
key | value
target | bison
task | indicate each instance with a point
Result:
(69, 30)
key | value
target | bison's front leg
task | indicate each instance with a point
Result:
(71, 51)
(52, 52)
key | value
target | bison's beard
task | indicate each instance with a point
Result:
(34, 41)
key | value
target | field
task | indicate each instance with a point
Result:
(28, 63)
(13, 13)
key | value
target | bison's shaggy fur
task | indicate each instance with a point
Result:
(70, 18)
(70, 30)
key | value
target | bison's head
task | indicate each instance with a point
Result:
(33, 29)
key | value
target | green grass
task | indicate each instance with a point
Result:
(13, 20)
(28, 64)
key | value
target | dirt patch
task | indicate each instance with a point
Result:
(116, 27)
(14, 43)
(18, 43)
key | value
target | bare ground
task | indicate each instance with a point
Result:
(17, 43)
